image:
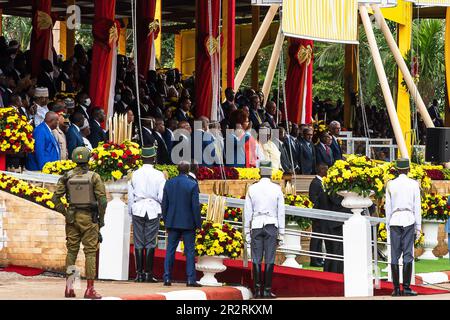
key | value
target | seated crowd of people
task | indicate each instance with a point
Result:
(58, 105)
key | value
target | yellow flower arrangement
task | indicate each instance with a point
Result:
(16, 134)
(59, 167)
(22, 189)
(357, 174)
(434, 207)
(215, 239)
(254, 174)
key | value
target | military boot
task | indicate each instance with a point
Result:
(396, 280)
(139, 258)
(257, 281)
(69, 293)
(90, 291)
(149, 257)
(407, 273)
(268, 273)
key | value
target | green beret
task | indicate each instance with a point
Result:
(148, 152)
(402, 164)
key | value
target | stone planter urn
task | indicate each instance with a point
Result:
(355, 202)
(210, 265)
(117, 188)
(430, 229)
(292, 242)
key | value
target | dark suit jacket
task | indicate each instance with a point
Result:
(79, 109)
(97, 134)
(322, 157)
(45, 81)
(271, 120)
(74, 139)
(291, 145)
(307, 157)
(317, 195)
(200, 141)
(149, 138)
(119, 107)
(180, 204)
(181, 116)
(337, 151)
(163, 155)
(256, 121)
(63, 78)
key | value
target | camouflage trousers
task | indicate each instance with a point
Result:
(86, 232)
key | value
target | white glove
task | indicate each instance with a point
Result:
(248, 239)
(281, 240)
(418, 234)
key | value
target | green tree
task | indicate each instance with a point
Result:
(17, 28)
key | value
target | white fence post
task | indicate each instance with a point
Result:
(358, 267)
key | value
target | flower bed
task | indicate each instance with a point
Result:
(434, 207)
(16, 134)
(215, 239)
(59, 167)
(28, 191)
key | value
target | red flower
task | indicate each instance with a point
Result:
(113, 154)
(120, 165)
(106, 146)
(216, 234)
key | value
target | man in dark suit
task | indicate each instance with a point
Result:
(324, 154)
(163, 155)
(97, 133)
(45, 78)
(73, 135)
(335, 130)
(181, 215)
(83, 105)
(256, 117)
(147, 132)
(307, 152)
(434, 114)
(270, 116)
(202, 148)
(64, 81)
(182, 113)
(318, 197)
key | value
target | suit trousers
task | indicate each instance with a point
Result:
(264, 244)
(334, 247)
(145, 232)
(188, 236)
(316, 244)
(402, 241)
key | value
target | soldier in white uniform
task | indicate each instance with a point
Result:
(264, 227)
(403, 221)
(145, 193)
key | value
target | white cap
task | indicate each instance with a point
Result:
(41, 93)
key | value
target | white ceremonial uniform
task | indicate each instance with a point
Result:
(145, 192)
(403, 204)
(264, 219)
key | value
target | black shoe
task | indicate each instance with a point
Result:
(396, 280)
(407, 273)
(139, 258)
(257, 281)
(167, 283)
(268, 273)
(149, 258)
(193, 284)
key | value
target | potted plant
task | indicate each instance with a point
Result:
(213, 243)
(434, 212)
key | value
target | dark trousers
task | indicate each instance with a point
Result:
(402, 241)
(188, 236)
(334, 247)
(316, 244)
(264, 244)
(145, 232)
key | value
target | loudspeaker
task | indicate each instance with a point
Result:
(438, 148)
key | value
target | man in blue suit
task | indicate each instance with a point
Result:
(181, 215)
(202, 145)
(324, 153)
(46, 147)
(73, 135)
(335, 131)
(307, 153)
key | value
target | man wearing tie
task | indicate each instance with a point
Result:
(163, 152)
(307, 153)
(97, 133)
(324, 154)
(335, 130)
(46, 147)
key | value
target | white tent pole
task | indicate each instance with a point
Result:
(255, 45)
(273, 63)
(384, 82)
(403, 67)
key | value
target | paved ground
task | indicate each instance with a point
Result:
(16, 287)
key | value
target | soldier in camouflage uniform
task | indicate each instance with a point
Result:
(83, 220)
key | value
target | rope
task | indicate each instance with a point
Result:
(361, 96)
(136, 71)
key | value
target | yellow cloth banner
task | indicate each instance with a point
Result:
(442, 3)
(321, 20)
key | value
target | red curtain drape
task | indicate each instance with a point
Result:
(231, 52)
(147, 33)
(203, 76)
(105, 31)
(299, 81)
(41, 34)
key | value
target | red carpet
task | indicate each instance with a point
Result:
(24, 271)
(287, 282)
